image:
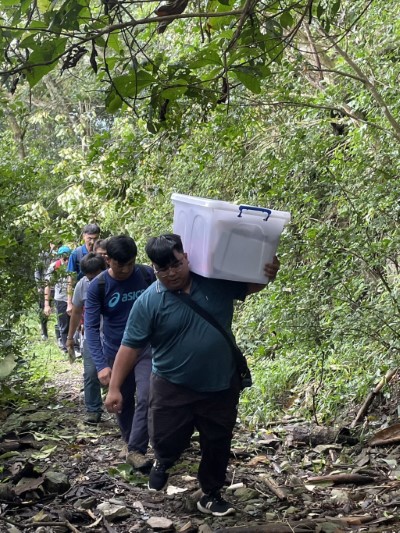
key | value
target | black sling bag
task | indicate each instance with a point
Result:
(240, 360)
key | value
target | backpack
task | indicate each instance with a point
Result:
(102, 283)
(79, 257)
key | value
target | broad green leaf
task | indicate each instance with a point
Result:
(25, 6)
(274, 7)
(8, 3)
(335, 8)
(111, 62)
(249, 81)
(286, 20)
(44, 452)
(126, 85)
(113, 42)
(129, 85)
(219, 22)
(179, 88)
(100, 41)
(225, 34)
(7, 455)
(144, 79)
(243, 54)
(208, 57)
(37, 24)
(28, 42)
(43, 5)
(128, 474)
(36, 68)
(211, 74)
(113, 102)
(35, 74)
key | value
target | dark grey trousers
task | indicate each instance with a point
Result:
(62, 320)
(176, 411)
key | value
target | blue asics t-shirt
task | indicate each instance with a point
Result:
(119, 296)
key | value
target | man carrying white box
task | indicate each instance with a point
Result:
(195, 381)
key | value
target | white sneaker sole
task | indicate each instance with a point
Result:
(156, 490)
(204, 510)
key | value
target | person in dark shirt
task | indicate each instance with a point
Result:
(90, 234)
(195, 380)
(110, 298)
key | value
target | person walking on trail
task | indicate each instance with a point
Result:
(44, 260)
(91, 265)
(110, 297)
(194, 382)
(57, 275)
(90, 234)
(99, 248)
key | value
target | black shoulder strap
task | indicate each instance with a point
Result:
(146, 274)
(102, 289)
(185, 298)
(79, 256)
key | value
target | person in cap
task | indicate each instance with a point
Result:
(57, 275)
(42, 265)
(90, 234)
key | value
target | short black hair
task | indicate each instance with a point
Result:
(91, 229)
(92, 263)
(100, 243)
(121, 248)
(160, 250)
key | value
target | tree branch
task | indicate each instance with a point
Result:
(367, 83)
(84, 38)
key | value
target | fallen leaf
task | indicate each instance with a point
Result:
(159, 522)
(27, 484)
(390, 434)
(254, 461)
(175, 490)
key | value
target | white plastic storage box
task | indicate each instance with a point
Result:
(227, 241)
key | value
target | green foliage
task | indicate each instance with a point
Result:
(253, 118)
(128, 474)
(36, 362)
(119, 46)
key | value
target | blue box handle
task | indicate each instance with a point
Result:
(252, 208)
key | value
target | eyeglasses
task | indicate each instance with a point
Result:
(164, 272)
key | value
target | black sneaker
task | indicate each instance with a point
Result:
(93, 418)
(215, 505)
(158, 477)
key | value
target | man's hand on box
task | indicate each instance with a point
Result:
(271, 269)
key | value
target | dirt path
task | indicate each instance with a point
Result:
(61, 475)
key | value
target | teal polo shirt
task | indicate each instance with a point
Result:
(187, 350)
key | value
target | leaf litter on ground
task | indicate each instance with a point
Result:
(60, 475)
